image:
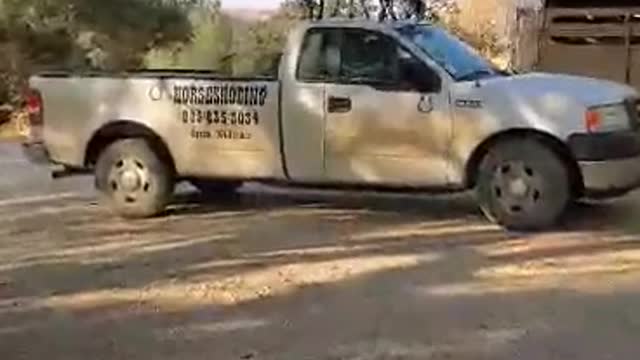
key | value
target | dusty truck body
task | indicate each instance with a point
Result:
(595, 38)
(355, 105)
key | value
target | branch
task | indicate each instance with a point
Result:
(386, 10)
(365, 9)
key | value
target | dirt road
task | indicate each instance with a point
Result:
(307, 276)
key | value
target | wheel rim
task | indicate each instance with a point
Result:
(517, 187)
(129, 180)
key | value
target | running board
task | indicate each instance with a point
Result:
(60, 172)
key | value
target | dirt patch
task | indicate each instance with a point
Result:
(275, 274)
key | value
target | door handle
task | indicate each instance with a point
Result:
(339, 104)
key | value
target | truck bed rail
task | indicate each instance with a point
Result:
(152, 73)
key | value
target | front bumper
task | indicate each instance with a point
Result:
(610, 178)
(610, 162)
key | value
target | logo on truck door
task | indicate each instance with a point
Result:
(155, 93)
(468, 103)
(226, 111)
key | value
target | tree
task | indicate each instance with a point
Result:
(387, 9)
(258, 46)
(209, 47)
(65, 32)
(75, 34)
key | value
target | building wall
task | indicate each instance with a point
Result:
(515, 22)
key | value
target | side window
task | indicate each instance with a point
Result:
(319, 57)
(376, 59)
(415, 75)
(368, 57)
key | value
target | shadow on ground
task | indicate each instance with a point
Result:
(309, 276)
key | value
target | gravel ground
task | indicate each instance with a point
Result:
(275, 274)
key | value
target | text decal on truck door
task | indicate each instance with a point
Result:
(221, 106)
(220, 95)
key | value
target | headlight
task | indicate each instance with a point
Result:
(607, 118)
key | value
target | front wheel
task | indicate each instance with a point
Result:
(133, 180)
(523, 185)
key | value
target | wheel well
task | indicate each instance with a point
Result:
(125, 129)
(557, 146)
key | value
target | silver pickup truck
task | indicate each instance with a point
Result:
(398, 107)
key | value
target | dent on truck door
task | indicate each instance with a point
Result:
(387, 118)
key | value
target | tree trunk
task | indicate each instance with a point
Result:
(320, 14)
(387, 11)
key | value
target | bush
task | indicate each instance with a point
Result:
(258, 47)
(209, 48)
(476, 23)
(78, 34)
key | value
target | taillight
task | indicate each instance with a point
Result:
(34, 107)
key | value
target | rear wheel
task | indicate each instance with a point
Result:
(133, 180)
(523, 185)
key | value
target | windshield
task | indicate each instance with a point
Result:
(455, 56)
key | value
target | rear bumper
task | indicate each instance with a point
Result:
(36, 153)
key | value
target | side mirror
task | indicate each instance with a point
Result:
(422, 78)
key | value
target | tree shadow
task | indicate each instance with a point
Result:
(609, 215)
(431, 302)
(326, 275)
(428, 205)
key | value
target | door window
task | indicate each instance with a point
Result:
(367, 56)
(375, 59)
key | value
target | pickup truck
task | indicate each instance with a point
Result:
(355, 105)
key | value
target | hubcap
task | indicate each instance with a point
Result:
(129, 179)
(516, 187)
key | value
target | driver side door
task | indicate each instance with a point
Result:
(387, 116)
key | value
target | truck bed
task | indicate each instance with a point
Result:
(214, 126)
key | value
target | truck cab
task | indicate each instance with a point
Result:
(371, 108)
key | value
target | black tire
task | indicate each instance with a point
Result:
(212, 189)
(523, 185)
(133, 180)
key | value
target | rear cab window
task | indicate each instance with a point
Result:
(320, 56)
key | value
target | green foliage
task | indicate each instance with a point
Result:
(209, 48)
(228, 46)
(77, 34)
(258, 48)
(67, 32)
